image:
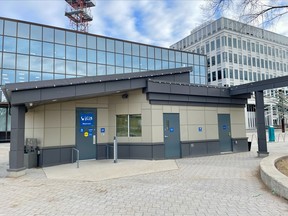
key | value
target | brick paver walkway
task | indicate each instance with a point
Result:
(216, 185)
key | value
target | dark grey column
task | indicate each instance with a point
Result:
(16, 154)
(260, 121)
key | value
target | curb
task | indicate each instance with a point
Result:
(273, 178)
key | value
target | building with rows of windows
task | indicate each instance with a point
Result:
(32, 52)
(68, 90)
(238, 53)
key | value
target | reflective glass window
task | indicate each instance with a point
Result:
(59, 76)
(119, 70)
(8, 76)
(165, 54)
(48, 49)
(81, 68)
(36, 32)
(158, 65)
(48, 34)
(119, 47)
(59, 66)
(91, 69)
(81, 54)
(101, 43)
(35, 63)
(202, 71)
(35, 48)
(126, 70)
(127, 61)
(81, 40)
(22, 62)
(9, 44)
(48, 65)
(190, 58)
(202, 60)
(21, 76)
(110, 69)
(171, 55)
(70, 52)
(91, 56)
(10, 28)
(165, 65)
(35, 76)
(1, 27)
(184, 57)
(8, 60)
(143, 51)
(135, 49)
(71, 67)
(150, 52)
(143, 63)
(110, 45)
(110, 58)
(71, 38)
(23, 30)
(22, 46)
(59, 51)
(59, 36)
(136, 62)
(101, 69)
(178, 56)
(91, 42)
(47, 76)
(101, 57)
(1, 38)
(127, 48)
(157, 53)
(196, 70)
(151, 64)
(196, 59)
(172, 65)
(119, 60)
(0, 60)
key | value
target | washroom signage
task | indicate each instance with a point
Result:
(87, 119)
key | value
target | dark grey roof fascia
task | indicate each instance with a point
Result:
(68, 89)
(273, 83)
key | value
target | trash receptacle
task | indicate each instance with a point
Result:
(271, 134)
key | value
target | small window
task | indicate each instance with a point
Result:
(128, 125)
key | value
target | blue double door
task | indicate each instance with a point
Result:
(86, 120)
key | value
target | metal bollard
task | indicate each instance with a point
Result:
(115, 150)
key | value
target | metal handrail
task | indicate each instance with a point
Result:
(77, 151)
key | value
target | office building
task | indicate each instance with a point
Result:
(238, 53)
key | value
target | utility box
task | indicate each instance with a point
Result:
(271, 134)
(30, 153)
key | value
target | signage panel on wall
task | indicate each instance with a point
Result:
(87, 119)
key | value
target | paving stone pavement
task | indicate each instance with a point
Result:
(216, 185)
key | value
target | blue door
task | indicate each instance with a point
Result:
(224, 129)
(86, 133)
(171, 131)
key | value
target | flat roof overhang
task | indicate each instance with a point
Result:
(51, 91)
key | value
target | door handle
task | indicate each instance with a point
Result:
(165, 136)
(94, 139)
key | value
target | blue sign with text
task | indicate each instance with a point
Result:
(87, 119)
(102, 130)
(171, 129)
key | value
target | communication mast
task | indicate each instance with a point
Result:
(79, 14)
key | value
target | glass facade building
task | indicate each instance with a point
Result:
(33, 52)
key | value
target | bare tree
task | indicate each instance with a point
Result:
(249, 11)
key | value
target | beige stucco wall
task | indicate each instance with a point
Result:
(54, 124)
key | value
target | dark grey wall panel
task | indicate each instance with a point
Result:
(65, 155)
(182, 78)
(117, 86)
(141, 152)
(158, 151)
(158, 87)
(240, 144)
(50, 157)
(123, 151)
(198, 148)
(102, 151)
(213, 91)
(196, 90)
(138, 83)
(185, 149)
(179, 98)
(213, 147)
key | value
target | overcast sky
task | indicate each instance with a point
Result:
(158, 22)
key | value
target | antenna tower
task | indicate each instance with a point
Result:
(79, 14)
